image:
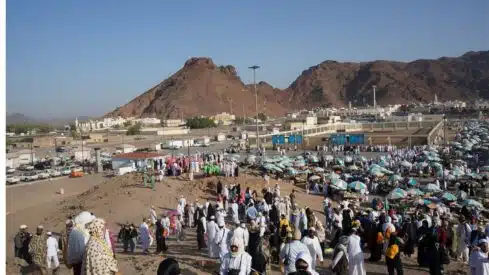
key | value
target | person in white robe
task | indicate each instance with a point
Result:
(180, 210)
(242, 234)
(145, 236)
(463, 236)
(191, 213)
(235, 212)
(355, 255)
(282, 208)
(303, 263)
(212, 230)
(222, 239)
(312, 243)
(220, 215)
(236, 260)
(78, 239)
(261, 221)
(152, 214)
(479, 262)
(276, 190)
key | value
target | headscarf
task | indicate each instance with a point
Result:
(96, 228)
(239, 243)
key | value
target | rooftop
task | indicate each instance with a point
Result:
(138, 155)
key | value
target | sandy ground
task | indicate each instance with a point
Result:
(124, 199)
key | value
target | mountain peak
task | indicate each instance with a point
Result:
(199, 62)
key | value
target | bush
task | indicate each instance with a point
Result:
(243, 120)
(134, 130)
(261, 116)
(25, 127)
(200, 123)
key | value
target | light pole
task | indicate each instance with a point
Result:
(375, 99)
(254, 68)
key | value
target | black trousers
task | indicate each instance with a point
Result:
(161, 245)
(394, 265)
(77, 269)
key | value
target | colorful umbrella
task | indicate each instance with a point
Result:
(396, 194)
(357, 185)
(449, 196)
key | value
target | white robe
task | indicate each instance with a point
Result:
(212, 229)
(145, 236)
(241, 234)
(355, 256)
(478, 263)
(241, 262)
(314, 249)
(222, 241)
(235, 212)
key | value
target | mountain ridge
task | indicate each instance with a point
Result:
(201, 87)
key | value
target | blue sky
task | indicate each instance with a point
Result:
(73, 57)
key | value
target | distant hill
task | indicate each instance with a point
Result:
(202, 88)
(18, 118)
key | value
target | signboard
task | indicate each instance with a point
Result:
(338, 139)
(295, 139)
(298, 139)
(292, 139)
(274, 139)
(357, 139)
(342, 139)
(281, 139)
(278, 139)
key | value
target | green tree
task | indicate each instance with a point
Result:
(127, 124)
(243, 120)
(134, 129)
(200, 123)
(73, 127)
(262, 117)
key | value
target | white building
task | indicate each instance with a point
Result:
(81, 155)
(311, 120)
(148, 120)
(22, 157)
(173, 123)
(135, 160)
(165, 131)
(481, 104)
(126, 148)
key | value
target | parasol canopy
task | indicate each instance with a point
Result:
(357, 185)
(397, 193)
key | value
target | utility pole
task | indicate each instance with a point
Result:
(244, 117)
(230, 106)
(32, 156)
(375, 99)
(254, 68)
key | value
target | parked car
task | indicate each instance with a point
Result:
(29, 176)
(10, 170)
(12, 179)
(77, 169)
(43, 174)
(66, 171)
(55, 172)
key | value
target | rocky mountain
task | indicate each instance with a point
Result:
(18, 118)
(335, 83)
(203, 88)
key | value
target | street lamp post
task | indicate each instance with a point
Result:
(254, 68)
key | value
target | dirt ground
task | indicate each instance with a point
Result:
(125, 199)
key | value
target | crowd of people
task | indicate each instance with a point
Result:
(247, 231)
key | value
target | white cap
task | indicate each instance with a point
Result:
(212, 217)
(221, 223)
(49, 233)
(23, 226)
(485, 240)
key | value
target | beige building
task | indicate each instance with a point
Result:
(173, 123)
(223, 118)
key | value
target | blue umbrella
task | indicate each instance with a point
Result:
(357, 185)
(449, 196)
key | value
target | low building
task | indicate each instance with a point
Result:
(175, 131)
(43, 141)
(135, 160)
(223, 118)
(126, 148)
(148, 120)
(96, 138)
(63, 141)
(172, 123)
(22, 157)
(82, 154)
(311, 120)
